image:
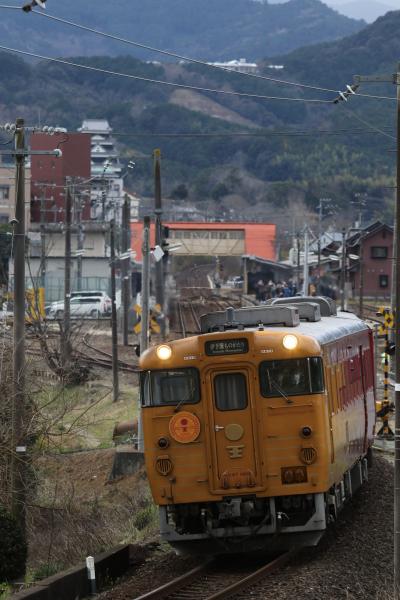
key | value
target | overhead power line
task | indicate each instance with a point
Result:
(160, 82)
(186, 58)
(364, 122)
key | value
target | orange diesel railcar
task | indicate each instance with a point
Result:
(259, 429)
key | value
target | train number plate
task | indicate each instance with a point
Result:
(232, 346)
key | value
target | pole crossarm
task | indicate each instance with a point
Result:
(23, 152)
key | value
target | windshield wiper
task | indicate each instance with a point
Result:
(272, 383)
(177, 407)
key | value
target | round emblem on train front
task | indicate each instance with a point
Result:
(184, 427)
(234, 432)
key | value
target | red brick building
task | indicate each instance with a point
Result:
(377, 243)
(48, 173)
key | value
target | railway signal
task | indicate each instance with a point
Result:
(384, 407)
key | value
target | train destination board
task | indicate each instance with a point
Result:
(232, 346)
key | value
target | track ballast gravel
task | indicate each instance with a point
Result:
(352, 562)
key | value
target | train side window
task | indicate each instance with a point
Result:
(316, 375)
(144, 389)
(230, 391)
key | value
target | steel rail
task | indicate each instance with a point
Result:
(181, 319)
(176, 584)
(195, 317)
(179, 584)
(253, 578)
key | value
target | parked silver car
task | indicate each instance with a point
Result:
(80, 307)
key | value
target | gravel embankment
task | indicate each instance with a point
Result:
(352, 562)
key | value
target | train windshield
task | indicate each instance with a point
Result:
(162, 388)
(293, 377)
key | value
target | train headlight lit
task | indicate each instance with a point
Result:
(290, 342)
(164, 352)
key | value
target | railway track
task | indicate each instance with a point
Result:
(217, 579)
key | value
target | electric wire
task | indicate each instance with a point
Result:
(376, 129)
(160, 82)
(186, 58)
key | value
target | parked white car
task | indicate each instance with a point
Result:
(105, 308)
(80, 307)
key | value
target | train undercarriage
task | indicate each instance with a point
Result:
(246, 523)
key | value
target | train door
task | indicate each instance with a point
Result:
(233, 429)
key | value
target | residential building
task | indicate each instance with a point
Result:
(107, 189)
(49, 175)
(377, 253)
(7, 192)
(240, 66)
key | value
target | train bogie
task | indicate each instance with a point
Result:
(256, 431)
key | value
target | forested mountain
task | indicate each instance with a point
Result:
(207, 29)
(295, 150)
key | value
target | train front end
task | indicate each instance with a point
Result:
(237, 438)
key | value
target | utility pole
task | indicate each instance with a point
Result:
(298, 261)
(159, 266)
(305, 266)
(361, 288)
(80, 250)
(144, 334)
(343, 272)
(114, 332)
(18, 454)
(43, 238)
(66, 334)
(125, 266)
(397, 358)
(395, 79)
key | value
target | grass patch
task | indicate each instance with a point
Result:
(83, 417)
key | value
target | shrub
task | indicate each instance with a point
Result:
(13, 548)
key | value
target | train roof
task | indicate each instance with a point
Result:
(314, 316)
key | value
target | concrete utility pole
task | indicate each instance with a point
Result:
(125, 266)
(80, 244)
(343, 272)
(397, 342)
(114, 332)
(18, 460)
(361, 287)
(395, 79)
(66, 334)
(298, 262)
(43, 238)
(305, 266)
(144, 334)
(159, 267)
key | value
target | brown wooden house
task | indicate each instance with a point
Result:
(377, 253)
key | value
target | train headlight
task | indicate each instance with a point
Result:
(164, 352)
(290, 342)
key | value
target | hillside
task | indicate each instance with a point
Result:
(252, 174)
(207, 29)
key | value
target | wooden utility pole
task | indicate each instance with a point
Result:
(125, 266)
(18, 450)
(114, 332)
(159, 266)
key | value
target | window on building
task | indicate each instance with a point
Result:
(4, 192)
(4, 218)
(383, 281)
(379, 252)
